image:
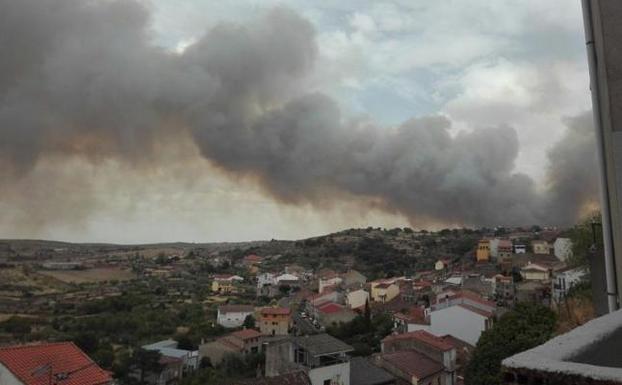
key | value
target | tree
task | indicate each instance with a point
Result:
(525, 327)
(585, 235)
(249, 322)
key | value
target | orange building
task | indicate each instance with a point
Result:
(482, 254)
(275, 321)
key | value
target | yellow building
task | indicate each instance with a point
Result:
(222, 286)
(384, 291)
(275, 321)
(482, 254)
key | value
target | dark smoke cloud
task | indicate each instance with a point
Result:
(84, 78)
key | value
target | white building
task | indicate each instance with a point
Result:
(494, 247)
(520, 249)
(564, 280)
(357, 298)
(233, 316)
(563, 248)
(288, 278)
(535, 272)
(461, 321)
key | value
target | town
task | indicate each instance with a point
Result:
(359, 307)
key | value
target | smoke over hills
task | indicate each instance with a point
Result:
(84, 79)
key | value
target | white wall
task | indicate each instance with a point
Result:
(333, 372)
(563, 248)
(459, 322)
(7, 378)
(414, 327)
(357, 298)
(232, 320)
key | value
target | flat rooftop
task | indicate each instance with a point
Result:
(591, 351)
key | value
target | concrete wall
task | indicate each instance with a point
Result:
(339, 374)
(459, 322)
(7, 378)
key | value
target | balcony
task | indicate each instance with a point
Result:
(589, 354)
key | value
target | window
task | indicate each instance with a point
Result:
(327, 382)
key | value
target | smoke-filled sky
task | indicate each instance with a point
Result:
(142, 121)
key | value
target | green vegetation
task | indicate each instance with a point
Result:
(585, 236)
(525, 327)
(363, 332)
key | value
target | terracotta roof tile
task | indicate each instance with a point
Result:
(64, 358)
(413, 363)
(276, 310)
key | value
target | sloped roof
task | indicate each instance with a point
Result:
(423, 336)
(64, 358)
(413, 363)
(246, 334)
(363, 372)
(330, 307)
(276, 310)
(236, 309)
(321, 344)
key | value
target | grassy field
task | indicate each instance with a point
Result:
(90, 275)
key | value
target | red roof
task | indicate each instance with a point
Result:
(423, 336)
(246, 334)
(475, 310)
(253, 258)
(383, 285)
(330, 308)
(276, 310)
(64, 358)
(413, 363)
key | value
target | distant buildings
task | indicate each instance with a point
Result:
(233, 316)
(61, 362)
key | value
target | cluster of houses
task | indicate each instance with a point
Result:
(438, 317)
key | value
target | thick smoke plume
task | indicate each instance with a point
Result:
(84, 78)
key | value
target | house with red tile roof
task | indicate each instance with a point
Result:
(239, 342)
(428, 344)
(411, 366)
(63, 362)
(331, 312)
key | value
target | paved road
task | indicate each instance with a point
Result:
(304, 325)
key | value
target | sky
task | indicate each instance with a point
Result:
(433, 82)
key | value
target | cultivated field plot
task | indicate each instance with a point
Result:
(90, 275)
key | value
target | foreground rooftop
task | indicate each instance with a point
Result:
(590, 354)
